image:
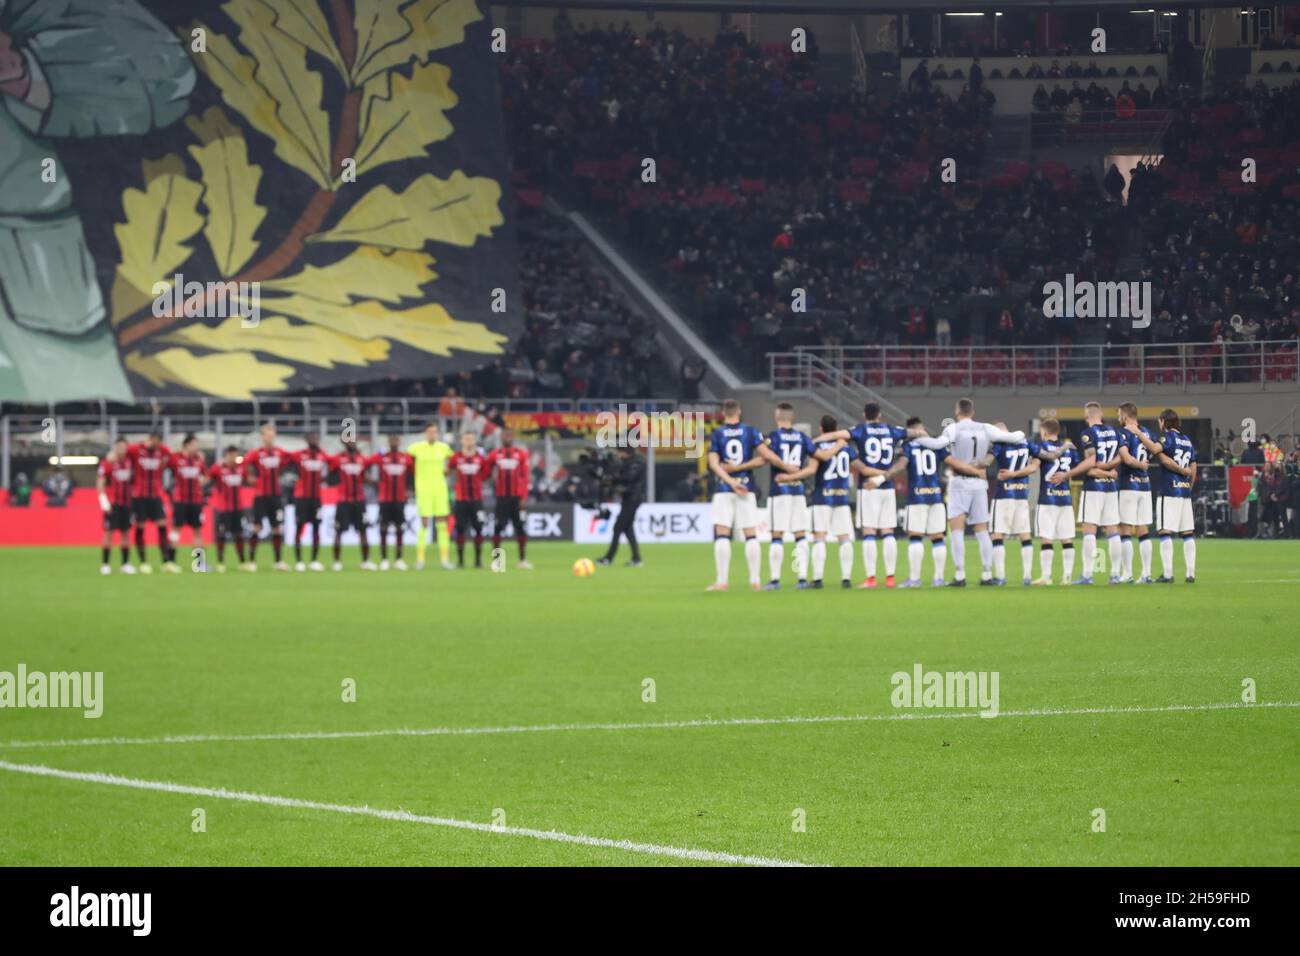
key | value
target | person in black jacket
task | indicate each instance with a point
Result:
(629, 482)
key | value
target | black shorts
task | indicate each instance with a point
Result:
(350, 514)
(392, 512)
(187, 514)
(268, 508)
(117, 518)
(509, 511)
(230, 524)
(148, 509)
(465, 514)
(306, 510)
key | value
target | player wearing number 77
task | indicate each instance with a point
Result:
(735, 450)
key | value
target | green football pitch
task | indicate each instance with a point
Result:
(531, 717)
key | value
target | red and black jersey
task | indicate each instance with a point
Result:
(118, 480)
(266, 465)
(149, 465)
(470, 470)
(313, 465)
(226, 482)
(509, 470)
(351, 467)
(188, 472)
(394, 471)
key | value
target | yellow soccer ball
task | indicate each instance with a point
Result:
(584, 568)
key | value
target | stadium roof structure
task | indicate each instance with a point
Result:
(846, 6)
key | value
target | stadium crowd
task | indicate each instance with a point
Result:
(774, 181)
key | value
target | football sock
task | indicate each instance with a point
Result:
(1113, 552)
(818, 559)
(891, 555)
(846, 559)
(775, 558)
(460, 550)
(239, 549)
(753, 559)
(126, 554)
(940, 554)
(252, 545)
(105, 551)
(444, 540)
(277, 544)
(1089, 554)
(985, 543)
(958, 555)
(1166, 556)
(397, 543)
(869, 554)
(496, 541)
(915, 555)
(1144, 551)
(1045, 558)
(478, 552)
(1026, 553)
(1067, 561)
(999, 560)
(383, 544)
(139, 542)
(365, 546)
(521, 539)
(1189, 555)
(801, 558)
(315, 540)
(721, 559)
(338, 542)
(1126, 558)
(421, 542)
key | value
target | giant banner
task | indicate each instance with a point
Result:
(248, 197)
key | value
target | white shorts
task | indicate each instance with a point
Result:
(1010, 516)
(1175, 515)
(1099, 507)
(735, 511)
(969, 497)
(1135, 507)
(837, 520)
(1055, 522)
(788, 514)
(926, 519)
(877, 508)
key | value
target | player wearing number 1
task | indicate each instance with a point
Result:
(432, 500)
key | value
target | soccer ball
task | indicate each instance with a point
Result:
(584, 568)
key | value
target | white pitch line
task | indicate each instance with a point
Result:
(401, 816)
(644, 725)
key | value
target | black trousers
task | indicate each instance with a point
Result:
(625, 526)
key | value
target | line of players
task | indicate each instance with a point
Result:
(130, 483)
(1113, 460)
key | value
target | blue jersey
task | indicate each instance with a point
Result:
(1105, 441)
(1135, 479)
(1013, 458)
(794, 448)
(1048, 493)
(876, 443)
(924, 466)
(1180, 448)
(834, 478)
(735, 444)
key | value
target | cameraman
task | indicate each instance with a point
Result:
(627, 478)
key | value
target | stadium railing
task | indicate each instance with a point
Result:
(1042, 369)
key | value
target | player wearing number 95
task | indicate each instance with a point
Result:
(735, 450)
